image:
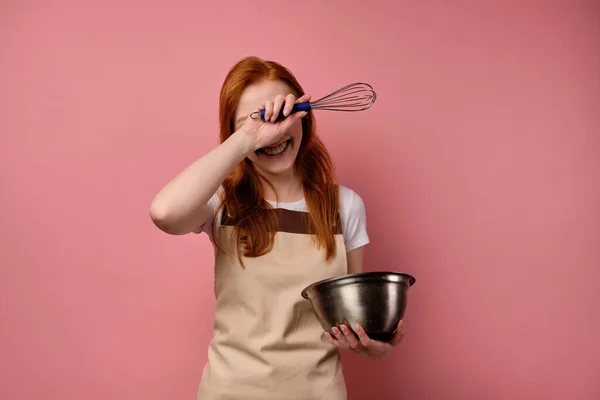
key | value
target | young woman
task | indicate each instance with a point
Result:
(268, 199)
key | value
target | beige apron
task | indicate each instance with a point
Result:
(267, 341)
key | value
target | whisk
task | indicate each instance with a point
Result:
(353, 97)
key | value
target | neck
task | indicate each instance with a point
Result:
(288, 187)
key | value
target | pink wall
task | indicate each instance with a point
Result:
(479, 165)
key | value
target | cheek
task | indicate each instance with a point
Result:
(253, 157)
(295, 132)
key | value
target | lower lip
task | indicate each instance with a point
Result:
(277, 155)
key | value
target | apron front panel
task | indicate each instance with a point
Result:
(267, 340)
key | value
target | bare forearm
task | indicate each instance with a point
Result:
(181, 206)
(355, 260)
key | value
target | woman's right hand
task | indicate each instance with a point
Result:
(267, 132)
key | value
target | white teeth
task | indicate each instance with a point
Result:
(273, 151)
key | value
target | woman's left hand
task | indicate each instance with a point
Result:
(343, 338)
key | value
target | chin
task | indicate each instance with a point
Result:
(276, 170)
(275, 167)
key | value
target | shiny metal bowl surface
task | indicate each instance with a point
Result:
(375, 300)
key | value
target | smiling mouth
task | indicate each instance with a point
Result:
(276, 150)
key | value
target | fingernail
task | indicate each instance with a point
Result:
(286, 112)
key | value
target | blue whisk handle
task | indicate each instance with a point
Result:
(297, 107)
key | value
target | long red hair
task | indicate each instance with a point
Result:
(242, 195)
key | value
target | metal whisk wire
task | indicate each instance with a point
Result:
(353, 97)
(356, 96)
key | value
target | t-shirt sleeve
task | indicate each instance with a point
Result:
(213, 205)
(354, 219)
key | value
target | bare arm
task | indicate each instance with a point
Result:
(355, 260)
(182, 205)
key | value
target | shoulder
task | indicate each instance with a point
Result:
(354, 218)
(350, 201)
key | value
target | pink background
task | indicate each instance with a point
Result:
(479, 165)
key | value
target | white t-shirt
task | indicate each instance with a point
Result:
(352, 213)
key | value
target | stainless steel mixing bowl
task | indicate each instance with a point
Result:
(375, 300)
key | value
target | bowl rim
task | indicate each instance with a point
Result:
(354, 277)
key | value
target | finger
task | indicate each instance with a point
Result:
(368, 342)
(362, 336)
(399, 334)
(340, 337)
(327, 337)
(303, 98)
(277, 103)
(268, 110)
(350, 338)
(372, 345)
(289, 103)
